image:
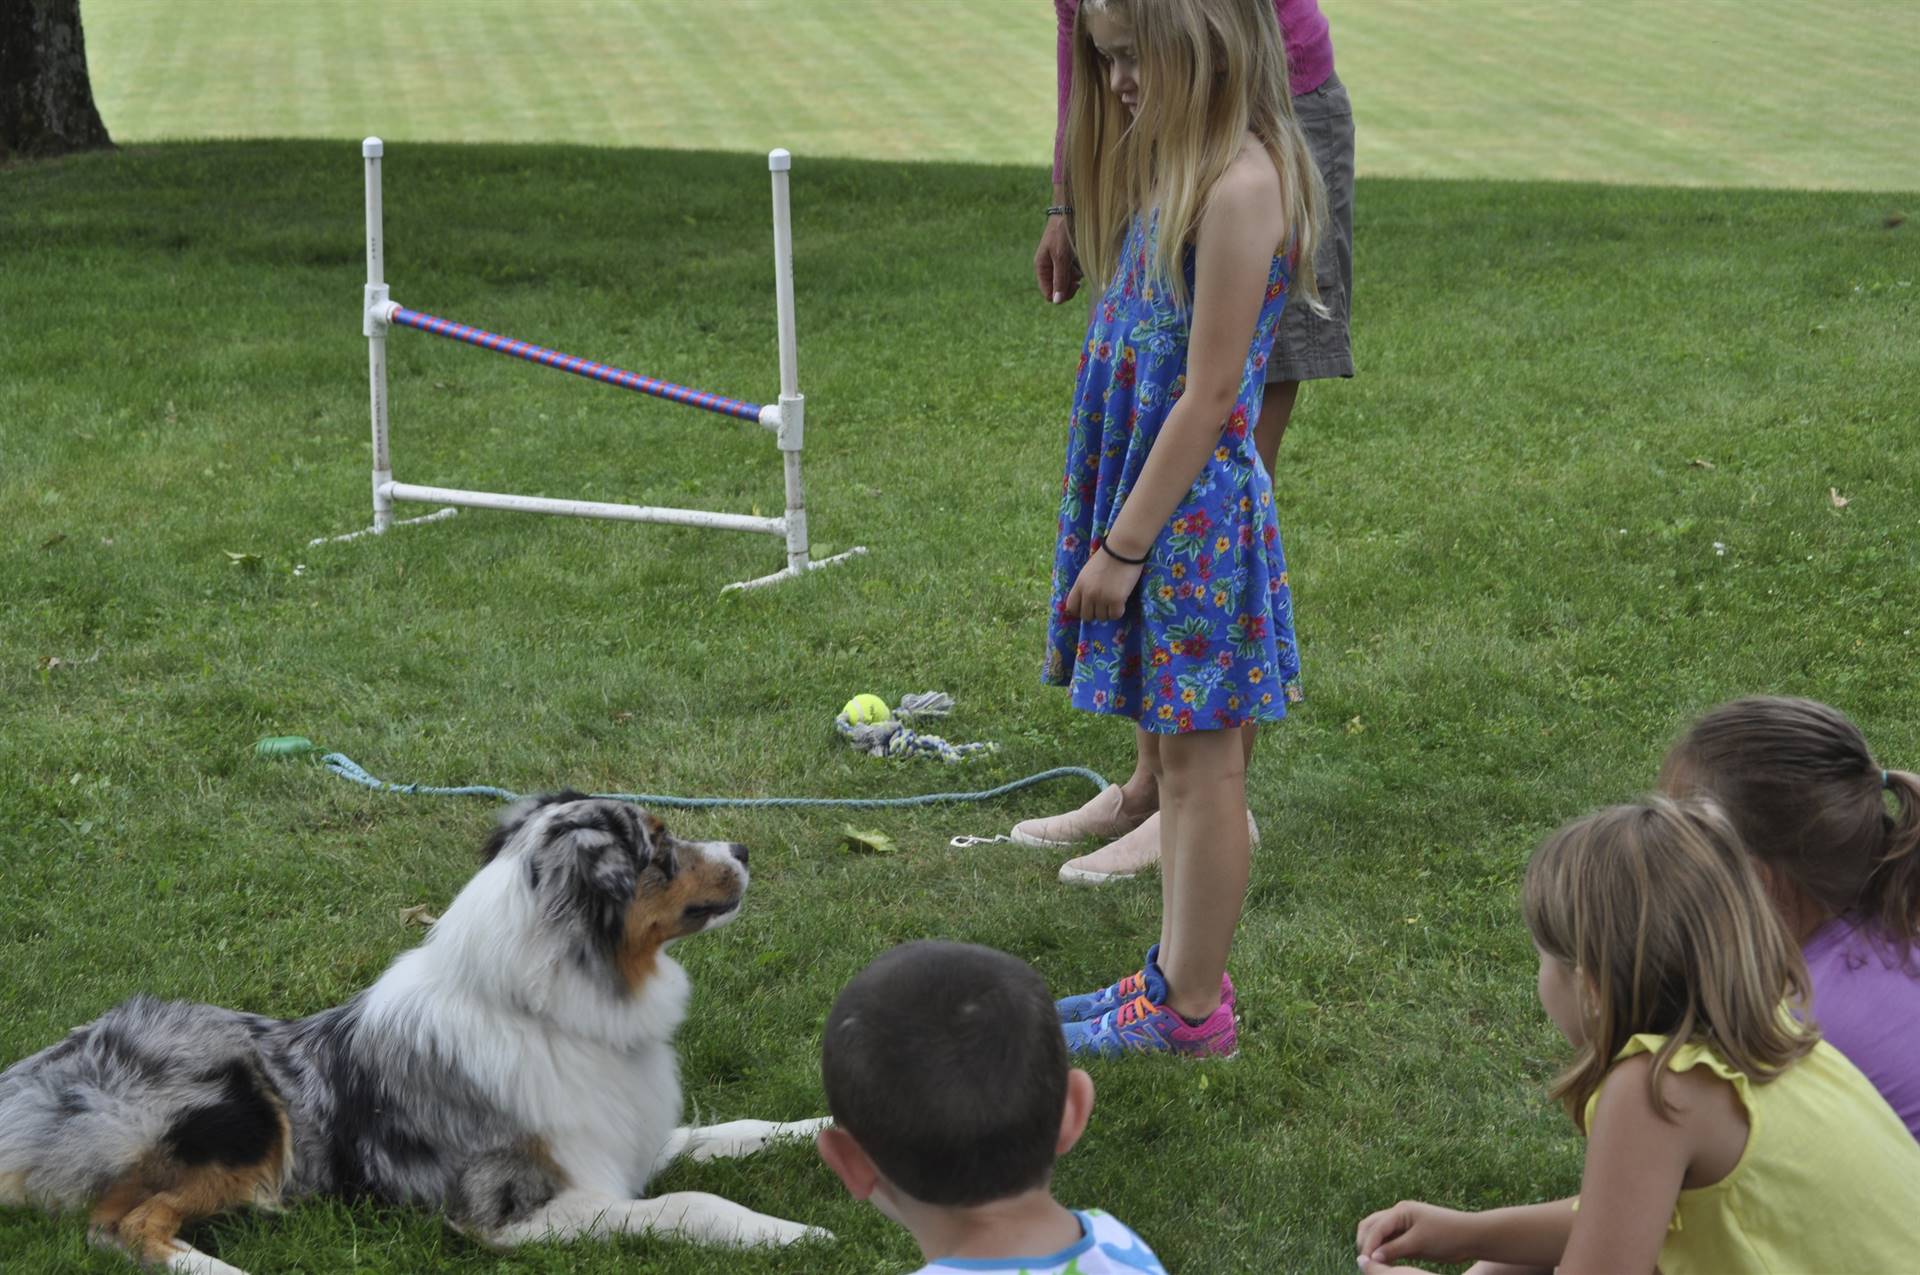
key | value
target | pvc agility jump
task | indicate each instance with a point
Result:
(786, 419)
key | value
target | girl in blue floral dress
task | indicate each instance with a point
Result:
(1195, 195)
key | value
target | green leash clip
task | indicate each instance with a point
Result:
(275, 747)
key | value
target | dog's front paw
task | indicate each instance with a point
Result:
(797, 1130)
(796, 1233)
(744, 1137)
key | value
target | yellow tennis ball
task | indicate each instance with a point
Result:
(865, 710)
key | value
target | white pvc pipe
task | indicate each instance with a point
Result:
(370, 152)
(779, 162)
(584, 508)
(792, 404)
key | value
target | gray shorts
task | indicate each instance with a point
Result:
(1308, 347)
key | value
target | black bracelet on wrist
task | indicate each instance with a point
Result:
(1120, 557)
(1060, 210)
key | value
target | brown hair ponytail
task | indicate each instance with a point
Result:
(1810, 802)
(1895, 885)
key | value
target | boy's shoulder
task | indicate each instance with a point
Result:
(1107, 1247)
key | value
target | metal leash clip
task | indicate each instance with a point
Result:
(962, 843)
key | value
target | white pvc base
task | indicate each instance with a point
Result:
(583, 508)
(438, 515)
(790, 574)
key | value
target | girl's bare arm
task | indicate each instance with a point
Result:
(1233, 252)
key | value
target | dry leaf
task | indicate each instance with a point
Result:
(1700, 462)
(1839, 501)
(1355, 726)
(51, 662)
(53, 540)
(866, 841)
(418, 914)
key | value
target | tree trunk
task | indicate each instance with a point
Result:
(46, 96)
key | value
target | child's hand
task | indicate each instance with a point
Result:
(1375, 1268)
(1413, 1229)
(1101, 590)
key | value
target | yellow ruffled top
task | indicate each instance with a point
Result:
(1829, 1183)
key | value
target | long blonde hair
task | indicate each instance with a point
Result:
(1659, 912)
(1211, 71)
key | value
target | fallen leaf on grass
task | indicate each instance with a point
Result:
(1355, 726)
(48, 663)
(53, 540)
(248, 561)
(1839, 501)
(1700, 462)
(418, 914)
(1894, 219)
(865, 841)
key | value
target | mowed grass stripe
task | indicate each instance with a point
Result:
(850, 77)
(1712, 92)
(1706, 93)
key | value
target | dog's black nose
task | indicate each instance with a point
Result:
(738, 851)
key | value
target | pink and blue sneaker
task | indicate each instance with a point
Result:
(1088, 1006)
(1144, 1024)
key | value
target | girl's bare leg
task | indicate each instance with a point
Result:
(1205, 863)
(1140, 794)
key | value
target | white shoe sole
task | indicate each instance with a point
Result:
(1080, 876)
(1020, 838)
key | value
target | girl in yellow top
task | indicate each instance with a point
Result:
(1723, 1136)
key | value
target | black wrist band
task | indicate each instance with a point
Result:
(1118, 557)
(1060, 210)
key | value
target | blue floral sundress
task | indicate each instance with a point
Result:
(1207, 640)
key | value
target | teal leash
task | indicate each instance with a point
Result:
(345, 767)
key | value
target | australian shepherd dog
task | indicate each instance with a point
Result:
(515, 1072)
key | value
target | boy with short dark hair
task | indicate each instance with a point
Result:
(946, 1073)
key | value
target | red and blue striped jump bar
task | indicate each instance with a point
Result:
(579, 367)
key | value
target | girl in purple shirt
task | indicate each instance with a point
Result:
(1837, 838)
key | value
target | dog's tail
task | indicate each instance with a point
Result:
(80, 1115)
(146, 1098)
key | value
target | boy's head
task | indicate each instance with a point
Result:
(946, 1073)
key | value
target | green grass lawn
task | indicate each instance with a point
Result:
(1580, 491)
(1701, 93)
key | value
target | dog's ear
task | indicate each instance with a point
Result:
(600, 848)
(515, 817)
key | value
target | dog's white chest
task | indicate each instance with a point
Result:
(612, 1122)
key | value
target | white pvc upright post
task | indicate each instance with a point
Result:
(374, 324)
(792, 403)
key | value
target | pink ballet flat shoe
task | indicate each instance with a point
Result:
(1129, 856)
(1102, 818)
